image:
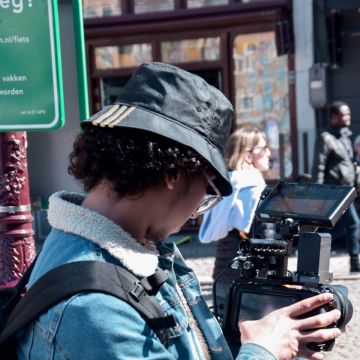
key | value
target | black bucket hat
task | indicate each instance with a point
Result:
(179, 105)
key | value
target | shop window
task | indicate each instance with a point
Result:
(147, 6)
(190, 50)
(122, 56)
(110, 89)
(202, 3)
(262, 94)
(100, 8)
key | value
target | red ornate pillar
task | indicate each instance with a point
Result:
(17, 246)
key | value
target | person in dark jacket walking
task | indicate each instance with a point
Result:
(333, 164)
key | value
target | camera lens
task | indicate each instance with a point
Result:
(343, 304)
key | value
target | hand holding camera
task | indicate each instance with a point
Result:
(284, 333)
(290, 313)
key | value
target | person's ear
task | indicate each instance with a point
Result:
(248, 157)
(171, 179)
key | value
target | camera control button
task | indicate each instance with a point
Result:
(332, 305)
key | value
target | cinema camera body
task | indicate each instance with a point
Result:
(299, 210)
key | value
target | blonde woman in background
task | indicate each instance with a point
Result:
(247, 156)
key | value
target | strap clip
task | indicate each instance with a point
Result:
(137, 291)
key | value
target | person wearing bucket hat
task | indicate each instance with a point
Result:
(168, 101)
(148, 163)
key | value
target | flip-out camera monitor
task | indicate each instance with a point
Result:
(310, 204)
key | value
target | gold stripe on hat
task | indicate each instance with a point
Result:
(123, 116)
(113, 116)
(105, 115)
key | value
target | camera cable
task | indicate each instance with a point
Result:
(217, 278)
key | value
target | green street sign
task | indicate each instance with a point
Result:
(31, 94)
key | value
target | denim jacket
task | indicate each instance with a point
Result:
(99, 326)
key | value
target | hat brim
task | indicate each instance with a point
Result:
(138, 118)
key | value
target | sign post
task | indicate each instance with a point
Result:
(30, 76)
(30, 99)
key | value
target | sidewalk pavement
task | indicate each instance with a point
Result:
(201, 258)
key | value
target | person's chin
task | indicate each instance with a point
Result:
(175, 231)
(156, 238)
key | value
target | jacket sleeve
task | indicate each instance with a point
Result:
(250, 351)
(243, 211)
(215, 225)
(321, 154)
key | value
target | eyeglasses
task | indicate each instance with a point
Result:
(209, 200)
(260, 148)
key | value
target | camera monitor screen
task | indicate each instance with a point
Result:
(311, 204)
(254, 306)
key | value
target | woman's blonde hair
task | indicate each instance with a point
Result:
(239, 143)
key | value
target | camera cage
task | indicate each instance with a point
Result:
(298, 209)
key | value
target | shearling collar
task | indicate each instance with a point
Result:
(67, 214)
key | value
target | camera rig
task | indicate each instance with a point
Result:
(264, 283)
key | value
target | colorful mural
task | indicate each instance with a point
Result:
(262, 93)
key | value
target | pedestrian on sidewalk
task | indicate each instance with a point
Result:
(232, 220)
(334, 164)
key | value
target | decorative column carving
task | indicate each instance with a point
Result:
(17, 246)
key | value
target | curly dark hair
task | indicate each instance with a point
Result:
(131, 159)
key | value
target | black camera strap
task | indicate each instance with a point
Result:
(91, 276)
